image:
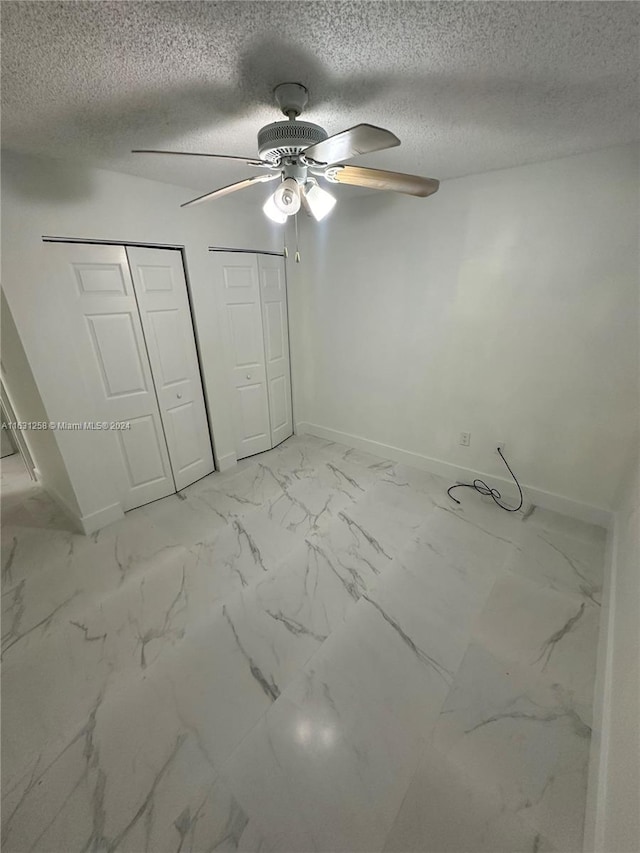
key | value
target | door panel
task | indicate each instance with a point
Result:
(141, 450)
(278, 405)
(117, 372)
(252, 420)
(116, 350)
(246, 333)
(96, 278)
(273, 294)
(173, 363)
(237, 274)
(161, 288)
(273, 326)
(182, 422)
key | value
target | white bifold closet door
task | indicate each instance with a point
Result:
(161, 290)
(255, 296)
(108, 329)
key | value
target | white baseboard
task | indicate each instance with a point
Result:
(71, 513)
(223, 463)
(539, 497)
(101, 518)
(86, 524)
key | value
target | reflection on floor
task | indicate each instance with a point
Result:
(316, 651)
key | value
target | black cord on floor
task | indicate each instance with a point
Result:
(481, 486)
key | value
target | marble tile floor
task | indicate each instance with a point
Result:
(315, 651)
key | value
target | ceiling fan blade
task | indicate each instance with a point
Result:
(380, 179)
(248, 161)
(231, 188)
(361, 139)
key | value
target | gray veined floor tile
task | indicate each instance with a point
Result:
(345, 476)
(553, 633)
(417, 480)
(262, 783)
(192, 516)
(45, 698)
(447, 810)
(249, 488)
(435, 599)
(307, 506)
(25, 504)
(327, 767)
(373, 669)
(553, 522)
(387, 517)
(522, 739)
(362, 458)
(82, 571)
(464, 543)
(284, 617)
(94, 563)
(351, 551)
(259, 664)
(403, 504)
(483, 513)
(561, 562)
(132, 776)
(219, 689)
(131, 625)
(313, 784)
(28, 551)
(244, 551)
(295, 459)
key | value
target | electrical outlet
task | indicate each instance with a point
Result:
(465, 439)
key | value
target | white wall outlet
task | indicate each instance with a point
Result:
(465, 439)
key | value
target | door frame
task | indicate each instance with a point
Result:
(47, 238)
(16, 434)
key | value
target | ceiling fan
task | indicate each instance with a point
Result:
(298, 153)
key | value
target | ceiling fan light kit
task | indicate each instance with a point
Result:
(318, 202)
(269, 208)
(299, 152)
(287, 197)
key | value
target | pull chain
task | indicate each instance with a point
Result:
(297, 246)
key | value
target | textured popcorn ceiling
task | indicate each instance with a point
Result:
(467, 87)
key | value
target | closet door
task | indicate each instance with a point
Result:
(273, 295)
(161, 290)
(113, 357)
(237, 276)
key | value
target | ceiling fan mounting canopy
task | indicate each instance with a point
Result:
(292, 98)
(299, 152)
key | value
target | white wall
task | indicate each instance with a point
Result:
(48, 197)
(503, 306)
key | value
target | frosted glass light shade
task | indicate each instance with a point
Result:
(272, 211)
(287, 197)
(319, 201)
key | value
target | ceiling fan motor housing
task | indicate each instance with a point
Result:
(287, 139)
